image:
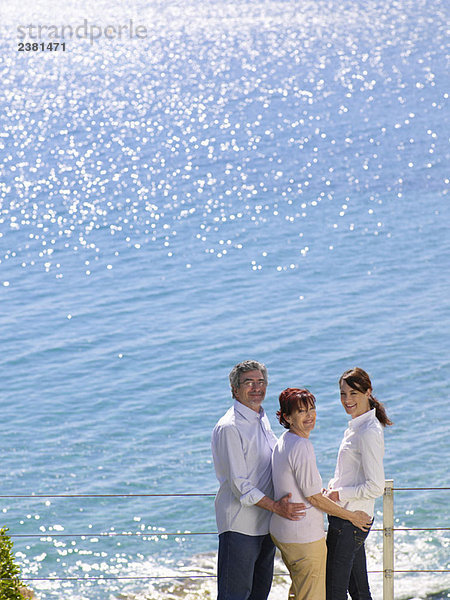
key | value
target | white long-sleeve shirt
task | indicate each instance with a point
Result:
(242, 444)
(359, 474)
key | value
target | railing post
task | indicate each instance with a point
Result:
(388, 540)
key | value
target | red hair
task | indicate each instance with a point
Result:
(294, 399)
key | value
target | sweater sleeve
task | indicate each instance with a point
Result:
(304, 467)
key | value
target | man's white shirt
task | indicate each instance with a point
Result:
(242, 444)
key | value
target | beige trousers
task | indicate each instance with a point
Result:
(306, 564)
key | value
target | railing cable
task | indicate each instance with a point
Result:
(50, 534)
(419, 488)
(189, 576)
(177, 495)
(107, 495)
(388, 530)
(110, 534)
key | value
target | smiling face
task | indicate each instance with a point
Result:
(302, 420)
(356, 403)
(252, 389)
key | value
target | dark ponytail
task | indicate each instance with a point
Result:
(359, 380)
(380, 411)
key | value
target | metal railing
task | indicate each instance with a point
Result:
(388, 540)
(388, 536)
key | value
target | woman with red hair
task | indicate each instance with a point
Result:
(294, 469)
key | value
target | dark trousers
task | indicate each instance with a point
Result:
(346, 561)
(245, 566)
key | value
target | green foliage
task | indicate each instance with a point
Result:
(9, 572)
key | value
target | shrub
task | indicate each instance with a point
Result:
(10, 583)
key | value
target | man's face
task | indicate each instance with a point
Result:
(252, 389)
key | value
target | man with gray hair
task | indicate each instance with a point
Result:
(242, 444)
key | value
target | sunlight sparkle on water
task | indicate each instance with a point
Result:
(142, 162)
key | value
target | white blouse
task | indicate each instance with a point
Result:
(359, 474)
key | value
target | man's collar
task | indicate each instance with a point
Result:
(247, 412)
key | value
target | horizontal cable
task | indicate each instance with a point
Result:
(414, 571)
(180, 495)
(184, 576)
(396, 489)
(107, 578)
(411, 529)
(107, 495)
(109, 534)
(50, 534)
(420, 529)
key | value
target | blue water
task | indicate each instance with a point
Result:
(251, 180)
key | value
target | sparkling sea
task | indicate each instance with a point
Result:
(250, 179)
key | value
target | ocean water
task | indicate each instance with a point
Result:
(249, 179)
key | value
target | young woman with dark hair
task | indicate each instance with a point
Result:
(357, 481)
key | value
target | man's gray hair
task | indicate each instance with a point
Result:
(243, 367)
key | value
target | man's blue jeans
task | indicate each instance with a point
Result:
(346, 561)
(245, 566)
